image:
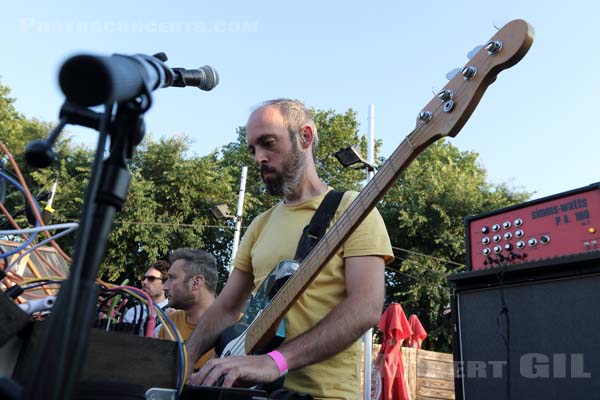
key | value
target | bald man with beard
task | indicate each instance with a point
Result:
(321, 350)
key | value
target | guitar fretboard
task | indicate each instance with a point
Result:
(330, 243)
(443, 116)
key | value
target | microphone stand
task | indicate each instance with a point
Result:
(60, 354)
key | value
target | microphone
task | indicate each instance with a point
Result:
(89, 80)
(204, 78)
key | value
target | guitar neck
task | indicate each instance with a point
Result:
(330, 243)
(444, 115)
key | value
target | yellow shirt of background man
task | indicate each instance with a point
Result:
(185, 330)
(272, 237)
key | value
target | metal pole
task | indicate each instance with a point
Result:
(371, 141)
(238, 216)
(368, 336)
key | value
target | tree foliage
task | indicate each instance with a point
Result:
(424, 214)
(171, 191)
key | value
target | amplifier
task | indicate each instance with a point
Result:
(527, 332)
(558, 226)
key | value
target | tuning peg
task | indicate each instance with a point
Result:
(472, 53)
(453, 73)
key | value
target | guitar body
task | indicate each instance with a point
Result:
(232, 340)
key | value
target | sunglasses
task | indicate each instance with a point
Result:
(151, 278)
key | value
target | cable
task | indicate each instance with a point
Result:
(31, 284)
(428, 256)
(505, 338)
(46, 278)
(39, 285)
(135, 292)
(146, 296)
(182, 350)
(29, 250)
(20, 187)
(39, 229)
(170, 224)
(37, 213)
(402, 273)
(42, 258)
(5, 264)
(35, 306)
(18, 249)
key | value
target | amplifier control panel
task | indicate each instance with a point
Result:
(559, 225)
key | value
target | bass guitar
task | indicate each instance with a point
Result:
(261, 328)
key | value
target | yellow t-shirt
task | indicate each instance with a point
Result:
(185, 330)
(273, 237)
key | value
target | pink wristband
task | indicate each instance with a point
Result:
(280, 361)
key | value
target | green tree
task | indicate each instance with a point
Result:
(15, 132)
(424, 214)
(171, 192)
(335, 132)
(166, 206)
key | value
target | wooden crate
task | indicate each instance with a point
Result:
(429, 374)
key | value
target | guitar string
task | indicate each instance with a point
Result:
(335, 230)
(352, 208)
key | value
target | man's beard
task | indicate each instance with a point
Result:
(284, 183)
(182, 302)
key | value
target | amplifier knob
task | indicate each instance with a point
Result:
(496, 227)
(519, 233)
(486, 251)
(497, 238)
(532, 242)
(485, 230)
(485, 240)
(508, 236)
(508, 247)
(497, 249)
(520, 244)
(518, 222)
(506, 225)
(545, 239)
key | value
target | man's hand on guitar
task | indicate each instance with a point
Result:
(236, 370)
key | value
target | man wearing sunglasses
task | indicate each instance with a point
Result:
(152, 283)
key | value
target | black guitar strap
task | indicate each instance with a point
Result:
(314, 231)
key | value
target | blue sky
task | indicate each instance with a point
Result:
(534, 129)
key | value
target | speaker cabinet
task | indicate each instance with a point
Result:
(528, 332)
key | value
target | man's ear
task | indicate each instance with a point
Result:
(197, 281)
(306, 136)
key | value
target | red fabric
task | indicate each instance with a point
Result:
(418, 332)
(396, 329)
